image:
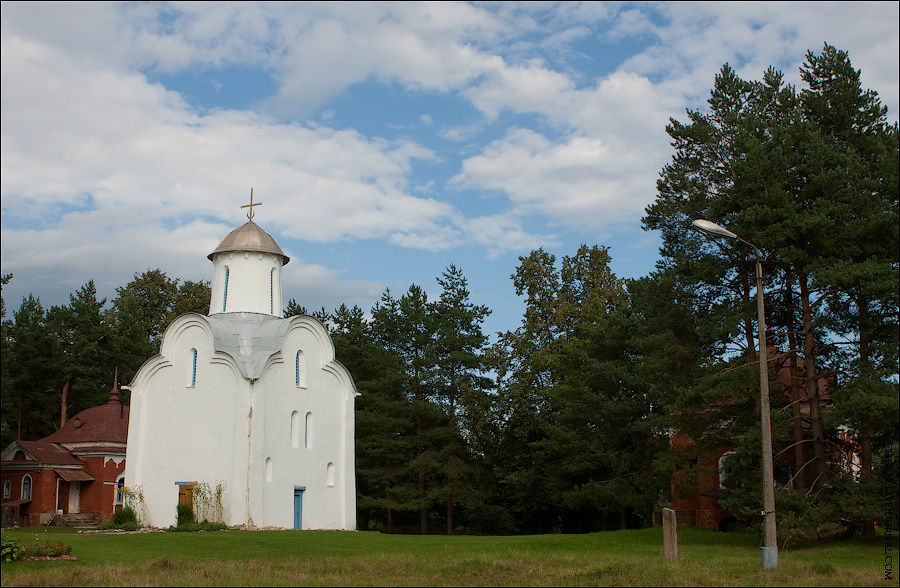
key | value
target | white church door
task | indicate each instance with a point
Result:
(298, 506)
(74, 497)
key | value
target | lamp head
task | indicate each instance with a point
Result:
(713, 229)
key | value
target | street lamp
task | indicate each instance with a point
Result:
(770, 542)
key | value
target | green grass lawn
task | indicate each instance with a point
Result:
(327, 558)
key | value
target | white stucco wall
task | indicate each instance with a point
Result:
(226, 426)
(183, 433)
(325, 397)
(254, 283)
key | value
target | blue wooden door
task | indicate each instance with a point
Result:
(298, 508)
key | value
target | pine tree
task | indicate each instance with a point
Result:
(521, 408)
(405, 328)
(294, 308)
(34, 380)
(7, 407)
(86, 344)
(460, 388)
(863, 279)
(810, 177)
(383, 421)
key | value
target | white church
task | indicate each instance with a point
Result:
(247, 401)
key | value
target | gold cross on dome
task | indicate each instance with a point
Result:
(250, 213)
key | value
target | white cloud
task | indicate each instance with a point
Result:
(500, 233)
(696, 39)
(421, 46)
(603, 166)
(98, 139)
(458, 133)
(111, 165)
(602, 169)
(83, 129)
(55, 261)
(528, 88)
(582, 182)
(314, 286)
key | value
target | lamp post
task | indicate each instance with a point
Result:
(770, 541)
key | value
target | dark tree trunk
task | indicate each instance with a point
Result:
(799, 457)
(423, 515)
(62, 403)
(812, 384)
(865, 440)
(449, 514)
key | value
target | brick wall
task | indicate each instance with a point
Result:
(98, 496)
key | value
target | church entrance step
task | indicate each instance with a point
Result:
(78, 521)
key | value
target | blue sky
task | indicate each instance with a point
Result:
(386, 141)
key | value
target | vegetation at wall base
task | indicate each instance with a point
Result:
(185, 515)
(124, 515)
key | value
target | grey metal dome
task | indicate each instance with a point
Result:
(249, 237)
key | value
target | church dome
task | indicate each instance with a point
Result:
(250, 237)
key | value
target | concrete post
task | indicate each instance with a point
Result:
(670, 534)
(770, 538)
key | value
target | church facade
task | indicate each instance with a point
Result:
(243, 408)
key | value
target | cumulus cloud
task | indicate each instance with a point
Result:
(603, 163)
(692, 41)
(94, 154)
(58, 261)
(527, 88)
(103, 170)
(582, 182)
(98, 140)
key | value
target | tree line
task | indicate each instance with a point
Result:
(565, 423)
(73, 350)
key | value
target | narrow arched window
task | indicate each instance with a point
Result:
(225, 291)
(295, 429)
(26, 487)
(307, 435)
(268, 469)
(120, 490)
(192, 375)
(299, 370)
(272, 291)
(329, 474)
(7, 486)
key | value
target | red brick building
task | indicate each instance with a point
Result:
(77, 470)
(701, 507)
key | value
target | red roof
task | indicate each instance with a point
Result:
(99, 448)
(107, 423)
(101, 428)
(74, 475)
(49, 453)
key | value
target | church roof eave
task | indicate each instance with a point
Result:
(249, 338)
